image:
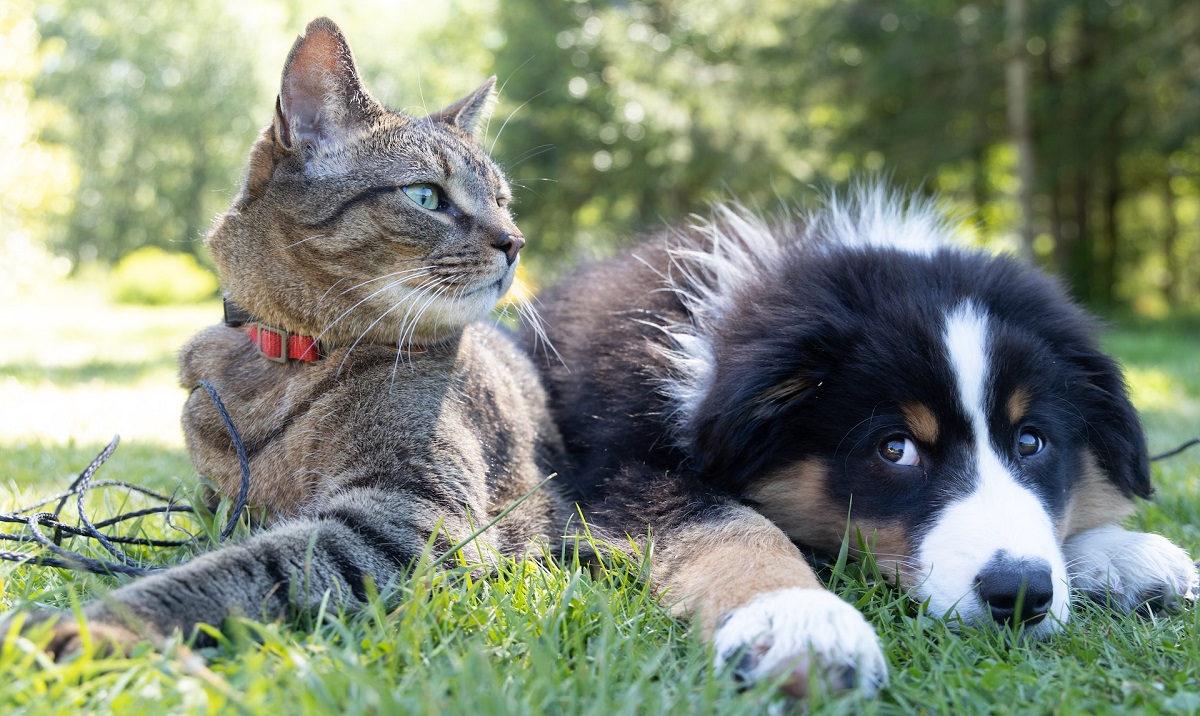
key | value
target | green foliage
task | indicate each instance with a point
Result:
(641, 112)
(618, 117)
(158, 109)
(153, 277)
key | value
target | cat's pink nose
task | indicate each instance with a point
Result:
(510, 244)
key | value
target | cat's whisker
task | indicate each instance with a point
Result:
(421, 90)
(530, 189)
(401, 339)
(405, 272)
(331, 287)
(535, 152)
(301, 241)
(416, 319)
(374, 323)
(441, 312)
(416, 296)
(488, 125)
(347, 312)
(407, 329)
(509, 117)
(529, 313)
(455, 295)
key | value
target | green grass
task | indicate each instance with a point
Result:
(530, 638)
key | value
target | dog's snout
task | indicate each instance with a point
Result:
(1016, 590)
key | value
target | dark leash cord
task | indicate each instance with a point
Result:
(1176, 451)
(39, 521)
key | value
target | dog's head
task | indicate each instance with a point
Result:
(951, 408)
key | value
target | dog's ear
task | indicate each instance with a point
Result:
(1113, 428)
(735, 427)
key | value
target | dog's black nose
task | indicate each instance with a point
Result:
(1016, 590)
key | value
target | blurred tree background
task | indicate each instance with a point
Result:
(125, 123)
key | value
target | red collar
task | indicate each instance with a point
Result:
(280, 346)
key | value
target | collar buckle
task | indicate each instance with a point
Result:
(268, 336)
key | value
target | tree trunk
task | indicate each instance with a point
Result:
(1080, 264)
(1176, 287)
(1061, 246)
(1017, 81)
(1109, 242)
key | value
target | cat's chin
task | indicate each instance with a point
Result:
(479, 302)
(449, 314)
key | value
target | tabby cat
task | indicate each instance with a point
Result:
(378, 418)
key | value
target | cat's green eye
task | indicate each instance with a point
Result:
(427, 196)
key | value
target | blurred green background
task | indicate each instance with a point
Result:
(126, 122)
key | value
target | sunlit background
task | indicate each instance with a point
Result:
(124, 127)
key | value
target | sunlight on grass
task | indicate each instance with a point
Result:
(144, 411)
(1152, 388)
(75, 367)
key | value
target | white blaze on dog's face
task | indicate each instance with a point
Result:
(999, 535)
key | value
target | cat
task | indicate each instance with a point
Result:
(369, 242)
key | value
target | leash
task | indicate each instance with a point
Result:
(37, 521)
(1176, 451)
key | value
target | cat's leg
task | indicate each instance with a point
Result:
(1125, 569)
(746, 586)
(359, 534)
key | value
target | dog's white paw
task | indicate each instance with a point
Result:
(803, 633)
(1128, 569)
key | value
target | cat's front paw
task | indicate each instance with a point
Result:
(68, 636)
(1130, 569)
(802, 636)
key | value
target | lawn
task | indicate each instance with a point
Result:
(75, 369)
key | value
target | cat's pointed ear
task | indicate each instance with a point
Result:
(321, 97)
(472, 112)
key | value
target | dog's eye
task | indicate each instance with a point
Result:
(900, 450)
(1030, 443)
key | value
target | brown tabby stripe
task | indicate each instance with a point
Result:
(356, 199)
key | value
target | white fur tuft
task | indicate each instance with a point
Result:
(729, 252)
(735, 249)
(873, 216)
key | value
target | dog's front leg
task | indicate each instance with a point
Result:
(754, 596)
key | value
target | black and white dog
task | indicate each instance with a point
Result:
(742, 387)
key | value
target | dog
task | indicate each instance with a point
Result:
(744, 386)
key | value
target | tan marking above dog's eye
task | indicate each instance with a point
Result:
(900, 450)
(1018, 405)
(921, 422)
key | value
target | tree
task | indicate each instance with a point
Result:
(638, 113)
(157, 110)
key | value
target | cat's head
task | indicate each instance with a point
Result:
(357, 221)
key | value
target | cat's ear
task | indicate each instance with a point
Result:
(321, 97)
(472, 112)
